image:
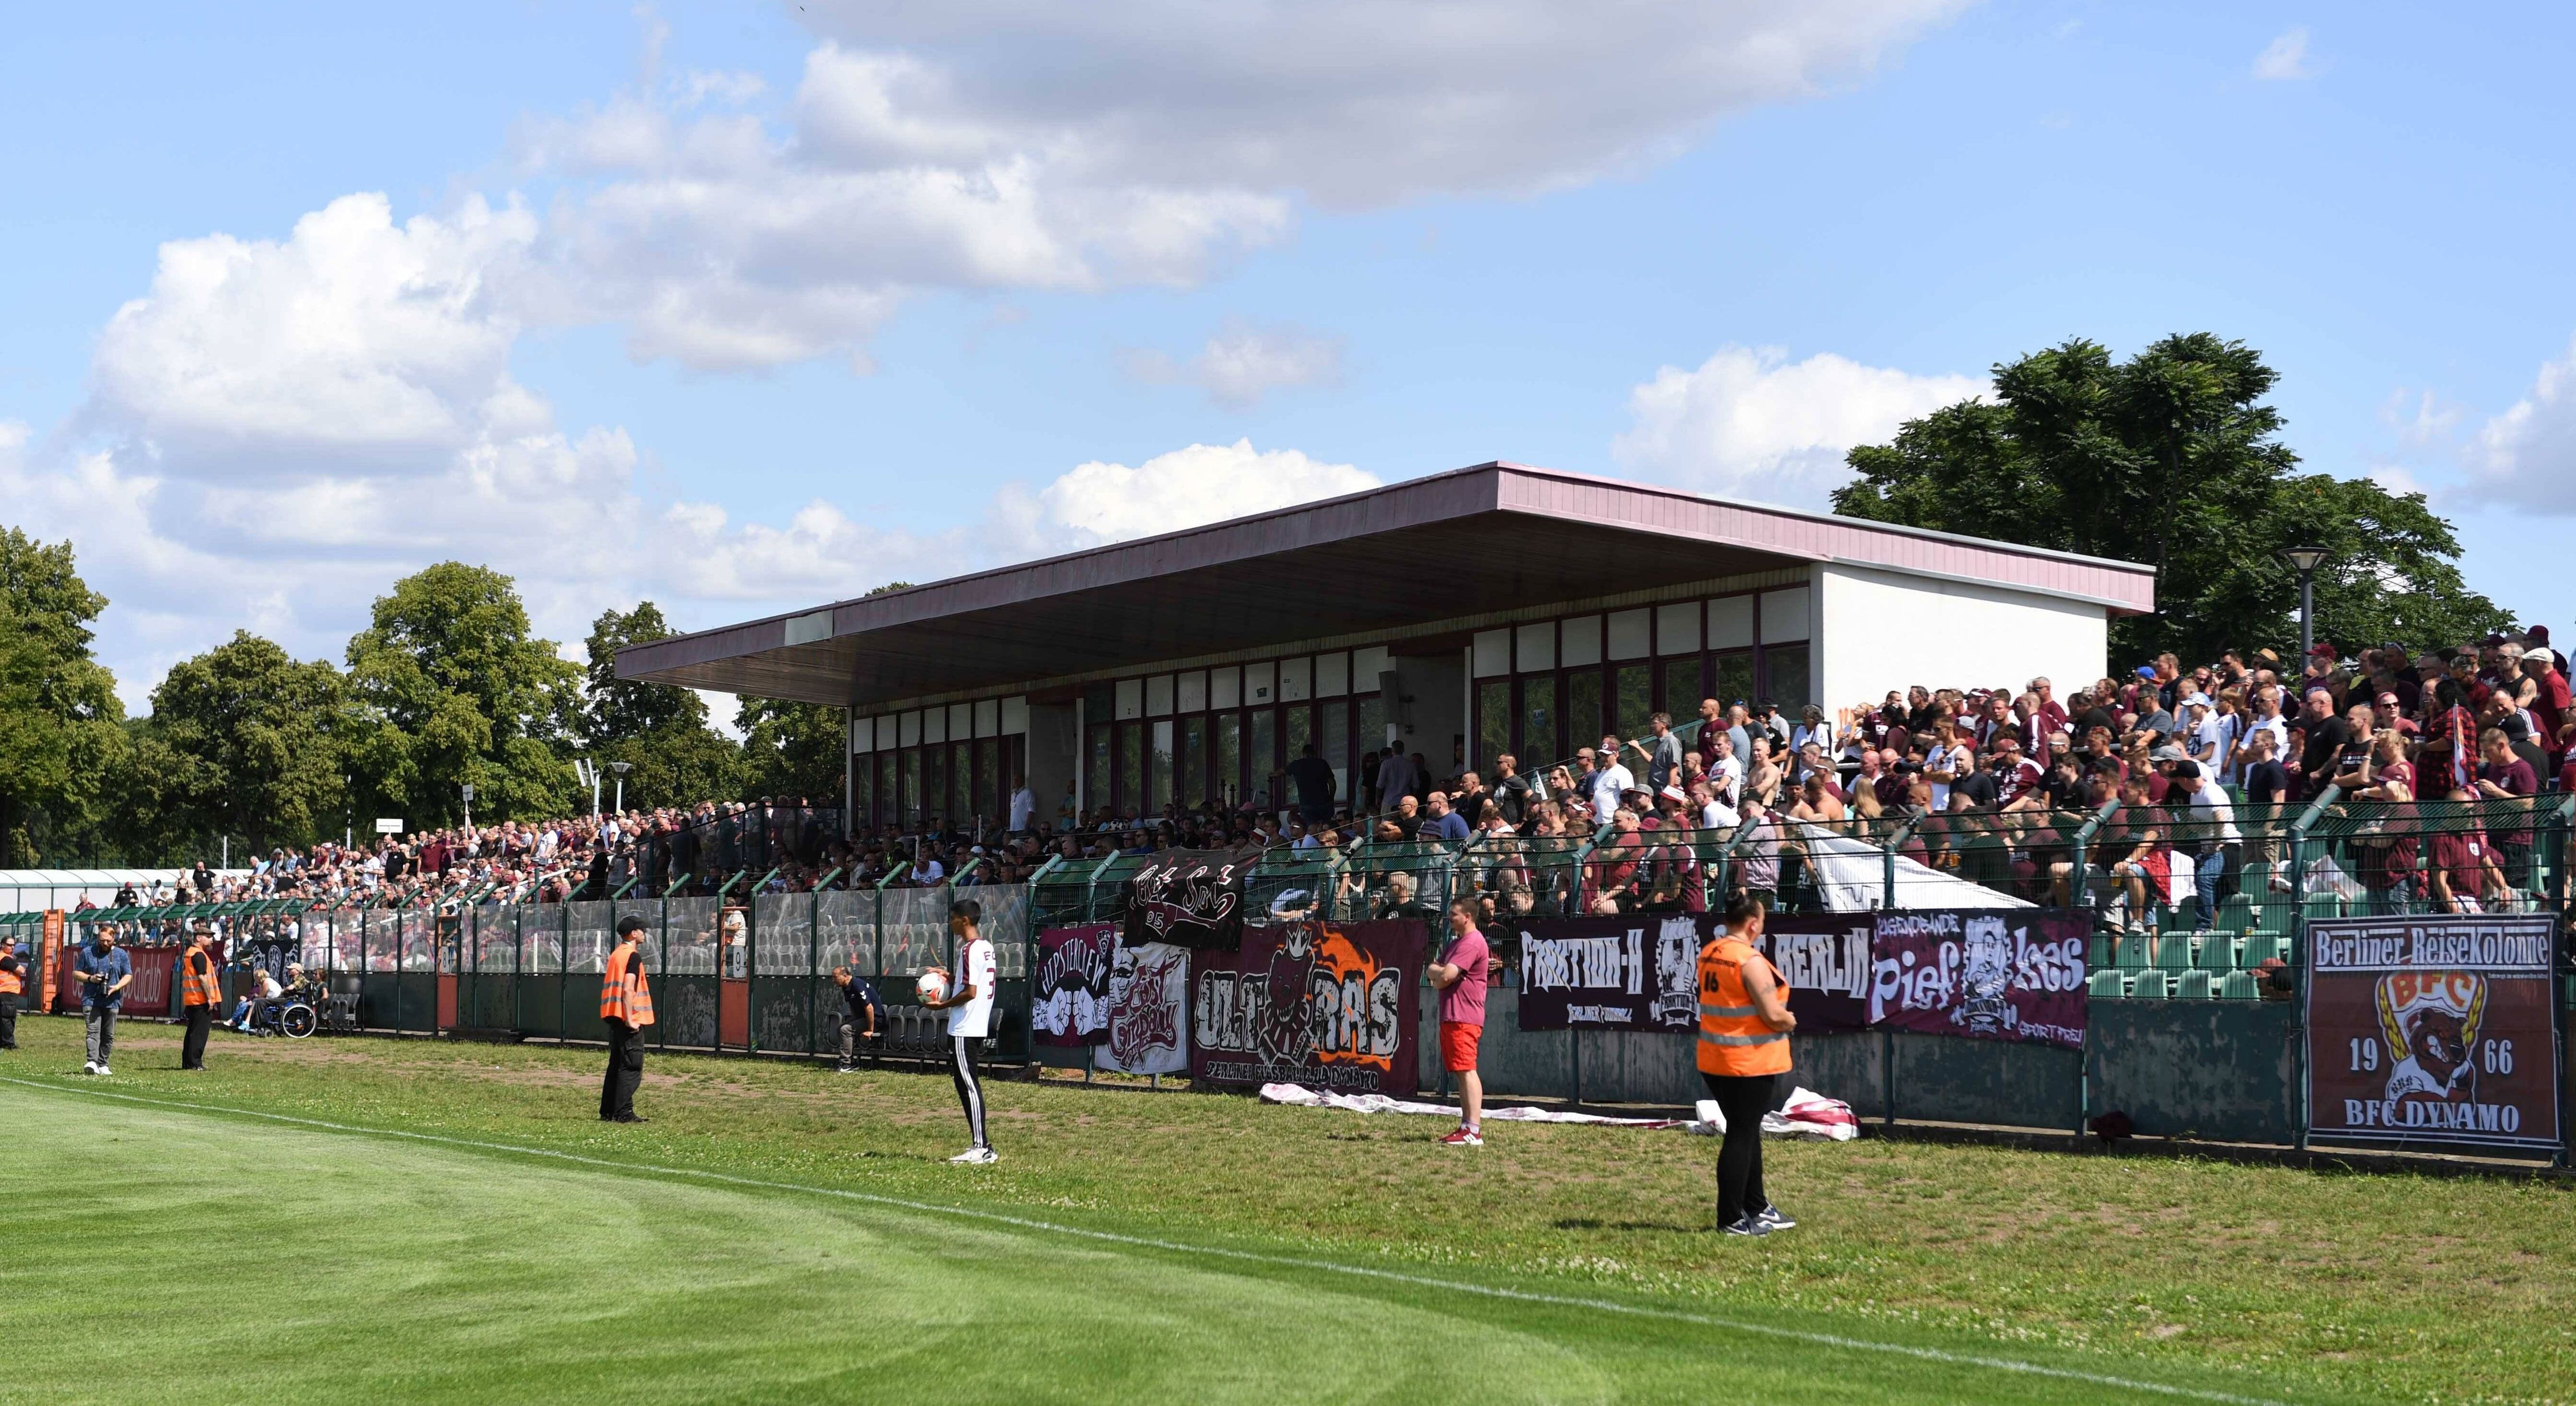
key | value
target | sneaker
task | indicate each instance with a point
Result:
(976, 1157)
(629, 1118)
(845, 1069)
(1749, 1225)
(1773, 1217)
(104, 1071)
(89, 1066)
(1463, 1138)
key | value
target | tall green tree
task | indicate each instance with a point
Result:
(660, 731)
(245, 740)
(60, 737)
(2173, 459)
(453, 690)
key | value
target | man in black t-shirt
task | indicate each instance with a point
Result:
(2267, 786)
(2327, 736)
(860, 1005)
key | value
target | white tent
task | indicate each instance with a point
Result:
(1853, 877)
(33, 890)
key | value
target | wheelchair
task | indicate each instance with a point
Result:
(290, 1016)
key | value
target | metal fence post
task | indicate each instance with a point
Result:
(2300, 947)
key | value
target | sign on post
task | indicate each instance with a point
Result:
(2432, 1030)
(389, 825)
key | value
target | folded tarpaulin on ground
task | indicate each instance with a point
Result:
(1299, 1096)
(1807, 1114)
(1810, 1114)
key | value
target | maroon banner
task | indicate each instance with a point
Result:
(1069, 991)
(1625, 973)
(1993, 974)
(1334, 1006)
(1823, 958)
(2433, 1030)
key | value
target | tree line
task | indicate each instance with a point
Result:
(446, 686)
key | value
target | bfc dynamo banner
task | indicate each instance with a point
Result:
(1334, 1006)
(2433, 1030)
(2012, 974)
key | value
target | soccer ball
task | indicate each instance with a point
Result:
(932, 985)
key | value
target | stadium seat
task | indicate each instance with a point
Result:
(2217, 950)
(2099, 954)
(2236, 914)
(2173, 948)
(2151, 986)
(2106, 984)
(2321, 905)
(2259, 948)
(2194, 986)
(2236, 986)
(2133, 951)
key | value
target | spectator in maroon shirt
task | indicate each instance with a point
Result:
(2461, 866)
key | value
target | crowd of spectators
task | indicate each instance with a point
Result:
(2179, 781)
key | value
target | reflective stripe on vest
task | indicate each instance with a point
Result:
(1734, 1039)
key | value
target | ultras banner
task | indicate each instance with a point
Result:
(1149, 1011)
(2433, 1029)
(1069, 994)
(1825, 960)
(1993, 974)
(1328, 1005)
(1639, 973)
(1190, 897)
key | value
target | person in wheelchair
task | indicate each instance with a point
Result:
(258, 990)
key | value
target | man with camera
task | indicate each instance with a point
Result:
(104, 971)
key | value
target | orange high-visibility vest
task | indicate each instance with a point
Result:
(1733, 1037)
(622, 992)
(198, 988)
(11, 983)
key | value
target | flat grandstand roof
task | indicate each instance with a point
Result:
(1425, 549)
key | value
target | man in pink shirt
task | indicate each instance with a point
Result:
(1460, 973)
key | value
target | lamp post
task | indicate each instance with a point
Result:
(468, 788)
(621, 768)
(2305, 561)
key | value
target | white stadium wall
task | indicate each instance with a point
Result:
(1885, 629)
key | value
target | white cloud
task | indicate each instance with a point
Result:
(2526, 456)
(1750, 423)
(1204, 483)
(2285, 58)
(1240, 363)
(991, 145)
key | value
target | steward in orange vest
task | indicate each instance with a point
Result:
(1744, 1026)
(200, 992)
(13, 980)
(626, 1007)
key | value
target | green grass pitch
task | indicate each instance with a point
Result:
(349, 1219)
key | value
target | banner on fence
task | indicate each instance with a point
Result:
(1191, 897)
(1328, 1005)
(1620, 973)
(1069, 991)
(1824, 960)
(1149, 1011)
(2433, 1029)
(1996, 974)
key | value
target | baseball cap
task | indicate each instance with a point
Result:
(1672, 793)
(2167, 753)
(2146, 671)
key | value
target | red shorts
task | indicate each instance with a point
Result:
(1458, 1041)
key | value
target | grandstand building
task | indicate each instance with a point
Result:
(1498, 608)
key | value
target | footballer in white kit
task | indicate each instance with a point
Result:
(969, 1004)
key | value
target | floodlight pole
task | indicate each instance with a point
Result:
(621, 768)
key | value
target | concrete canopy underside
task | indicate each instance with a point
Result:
(1493, 537)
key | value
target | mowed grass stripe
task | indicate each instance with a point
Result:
(1827, 1373)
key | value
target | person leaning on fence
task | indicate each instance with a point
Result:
(200, 992)
(1744, 1025)
(626, 1006)
(860, 1006)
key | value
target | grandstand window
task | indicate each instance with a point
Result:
(1333, 739)
(1095, 776)
(1260, 752)
(1538, 739)
(1159, 773)
(1131, 767)
(992, 788)
(1731, 678)
(1192, 762)
(1582, 709)
(889, 767)
(912, 787)
(1636, 698)
(1683, 688)
(1493, 720)
(1784, 676)
(1229, 756)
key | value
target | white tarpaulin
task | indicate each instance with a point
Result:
(1807, 1114)
(1852, 875)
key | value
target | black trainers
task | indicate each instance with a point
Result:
(1774, 1218)
(1748, 1225)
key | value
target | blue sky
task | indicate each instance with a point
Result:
(743, 308)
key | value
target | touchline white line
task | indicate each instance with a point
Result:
(1182, 1248)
